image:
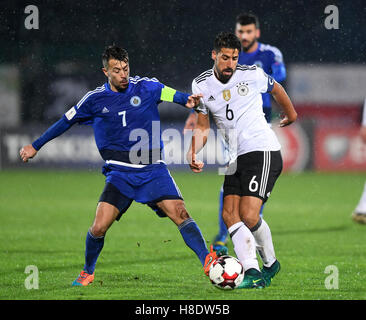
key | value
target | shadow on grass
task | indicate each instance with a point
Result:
(314, 230)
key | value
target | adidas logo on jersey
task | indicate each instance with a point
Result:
(105, 110)
(211, 98)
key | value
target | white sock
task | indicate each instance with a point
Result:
(361, 207)
(263, 237)
(244, 245)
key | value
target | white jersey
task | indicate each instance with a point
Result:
(237, 108)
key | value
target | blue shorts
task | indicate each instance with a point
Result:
(148, 186)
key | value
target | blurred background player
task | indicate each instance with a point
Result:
(115, 109)
(359, 215)
(270, 59)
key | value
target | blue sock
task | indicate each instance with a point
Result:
(222, 226)
(93, 247)
(193, 238)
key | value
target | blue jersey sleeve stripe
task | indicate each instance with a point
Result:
(99, 89)
(138, 79)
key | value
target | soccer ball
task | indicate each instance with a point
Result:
(226, 272)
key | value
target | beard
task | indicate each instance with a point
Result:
(249, 45)
(223, 77)
(120, 86)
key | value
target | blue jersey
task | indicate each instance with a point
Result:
(271, 61)
(127, 133)
(126, 124)
(122, 121)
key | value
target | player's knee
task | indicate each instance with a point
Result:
(181, 211)
(179, 214)
(229, 217)
(251, 221)
(98, 230)
(249, 215)
(175, 210)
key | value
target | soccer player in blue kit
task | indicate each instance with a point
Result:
(270, 59)
(125, 118)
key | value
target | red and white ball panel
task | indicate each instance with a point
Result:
(226, 272)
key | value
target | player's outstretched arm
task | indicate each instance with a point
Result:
(58, 128)
(191, 121)
(171, 95)
(281, 97)
(199, 139)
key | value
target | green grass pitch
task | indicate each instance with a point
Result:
(44, 217)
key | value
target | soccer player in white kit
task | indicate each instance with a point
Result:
(232, 93)
(359, 214)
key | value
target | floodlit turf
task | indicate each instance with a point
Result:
(44, 217)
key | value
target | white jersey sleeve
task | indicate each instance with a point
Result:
(265, 82)
(201, 108)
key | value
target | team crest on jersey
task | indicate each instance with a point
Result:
(135, 101)
(226, 95)
(243, 89)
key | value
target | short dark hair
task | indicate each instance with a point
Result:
(226, 40)
(114, 52)
(247, 18)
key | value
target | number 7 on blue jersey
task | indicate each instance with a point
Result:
(123, 114)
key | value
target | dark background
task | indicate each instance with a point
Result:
(170, 40)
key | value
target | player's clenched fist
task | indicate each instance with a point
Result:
(286, 121)
(195, 165)
(27, 152)
(193, 100)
